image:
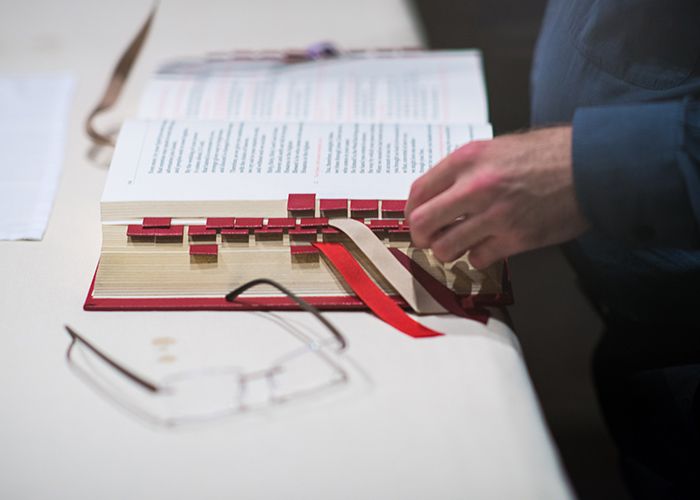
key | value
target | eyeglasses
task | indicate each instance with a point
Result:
(204, 394)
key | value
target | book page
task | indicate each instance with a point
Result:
(393, 87)
(196, 160)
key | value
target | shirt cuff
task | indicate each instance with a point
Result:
(626, 173)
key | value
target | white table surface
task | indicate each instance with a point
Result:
(450, 417)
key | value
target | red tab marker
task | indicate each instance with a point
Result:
(380, 304)
(445, 297)
(281, 222)
(201, 231)
(393, 207)
(235, 232)
(170, 232)
(149, 222)
(334, 205)
(380, 224)
(219, 223)
(364, 207)
(209, 250)
(138, 231)
(301, 203)
(266, 230)
(248, 222)
(303, 233)
(313, 222)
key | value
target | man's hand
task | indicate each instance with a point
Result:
(497, 198)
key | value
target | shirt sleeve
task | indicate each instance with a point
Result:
(637, 171)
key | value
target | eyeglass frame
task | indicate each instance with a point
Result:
(231, 296)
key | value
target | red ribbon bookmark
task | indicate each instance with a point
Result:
(380, 304)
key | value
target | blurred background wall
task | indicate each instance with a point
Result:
(505, 30)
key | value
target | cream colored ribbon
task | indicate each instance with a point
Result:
(401, 279)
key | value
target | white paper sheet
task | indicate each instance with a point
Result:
(33, 123)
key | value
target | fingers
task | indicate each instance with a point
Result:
(435, 181)
(465, 198)
(489, 251)
(440, 177)
(454, 241)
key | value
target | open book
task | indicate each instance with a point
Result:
(235, 168)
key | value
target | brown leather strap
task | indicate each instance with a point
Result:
(116, 82)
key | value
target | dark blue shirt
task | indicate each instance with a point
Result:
(626, 74)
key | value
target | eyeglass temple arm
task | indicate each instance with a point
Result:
(75, 336)
(231, 296)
